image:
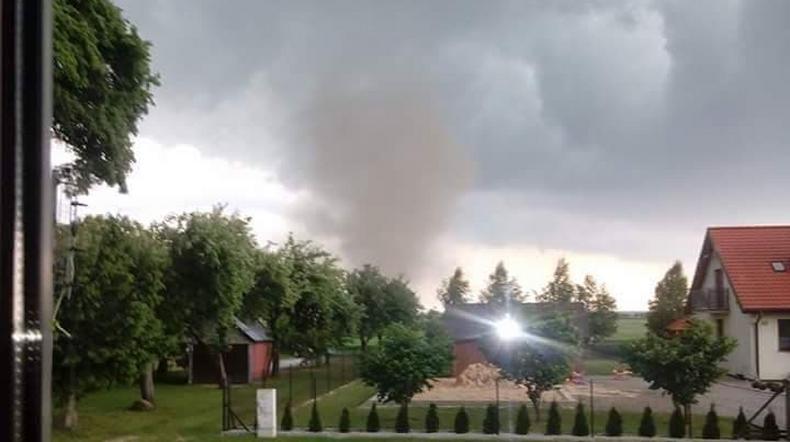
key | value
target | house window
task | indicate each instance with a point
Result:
(720, 328)
(784, 334)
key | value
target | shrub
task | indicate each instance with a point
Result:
(739, 426)
(402, 419)
(522, 420)
(373, 425)
(554, 422)
(647, 426)
(461, 424)
(491, 421)
(614, 423)
(711, 428)
(677, 425)
(770, 429)
(287, 422)
(580, 426)
(345, 421)
(315, 420)
(432, 419)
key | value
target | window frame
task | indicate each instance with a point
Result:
(786, 322)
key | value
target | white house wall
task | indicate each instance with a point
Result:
(774, 364)
(736, 324)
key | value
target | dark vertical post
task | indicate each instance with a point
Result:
(328, 372)
(26, 214)
(592, 410)
(787, 407)
(290, 383)
(496, 386)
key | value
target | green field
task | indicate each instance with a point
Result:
(601, 358)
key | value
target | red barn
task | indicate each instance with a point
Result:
(247, 360)
(468, 324)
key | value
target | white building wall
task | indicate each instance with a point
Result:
(737, 325)
(774, 364)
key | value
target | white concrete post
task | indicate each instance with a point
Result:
(267, 412)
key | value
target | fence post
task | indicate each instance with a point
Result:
(290, 384)
(328, 372)
(592, 410)
(787, 408)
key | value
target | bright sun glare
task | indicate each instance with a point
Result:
(507, 329)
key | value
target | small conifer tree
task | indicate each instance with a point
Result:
(647, 426)
(739, 426)
(522, 420)
(580, 426)
(373, 425)
(315, 420)
(287, 422)
(677, 425)
(345, 421)
(614, 423)
(711, 428)
(402, 419)
(770, 429)
(491, 420)
(554, 422)
(461, 424)
(432, 419)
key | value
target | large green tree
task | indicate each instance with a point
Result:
(367, 286)
(212, 267)
(501, 288)
(271, 300)
(108, 329)
(601, 308)
(560, 289)
(102, 84)
(669, 302)
(684, 366)
(454, 290)
(405, 363)
(324, 314)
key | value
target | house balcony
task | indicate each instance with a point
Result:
(710, 300)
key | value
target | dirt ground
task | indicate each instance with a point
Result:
(627, 394)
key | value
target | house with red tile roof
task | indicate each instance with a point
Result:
(742, 286)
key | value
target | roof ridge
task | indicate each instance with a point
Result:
(753, 226)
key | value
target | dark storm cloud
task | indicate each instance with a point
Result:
(623, 127)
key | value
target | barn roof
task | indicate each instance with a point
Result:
(244, 332)
(756, 259)
(253, 330)
(472, 321)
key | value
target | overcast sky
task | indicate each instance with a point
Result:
(421, 136)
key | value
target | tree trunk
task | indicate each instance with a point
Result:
(536, 405)
(147, 383)
(363, 343)
(275, 363)
(70, 415)
(687, 413)
(223, 375)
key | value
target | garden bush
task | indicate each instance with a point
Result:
(432, 419)
(287, 422)
(345, 421)
(315, 420)
(711, 428)
(580, 426)
(770, 429)
(491, 420)
(647, 426)
(373, 425)
(614, 423)
(402, 419)
(740, 428)
(677, 425)
(461, 424)
(522, 420)
(554, 422)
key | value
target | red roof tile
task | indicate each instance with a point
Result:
(747, 254)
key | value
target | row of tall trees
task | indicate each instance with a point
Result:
(502, 288)
(129, 296)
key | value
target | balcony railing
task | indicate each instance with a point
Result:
(710, 300)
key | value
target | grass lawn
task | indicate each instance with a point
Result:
(601, 358)
(629, 329)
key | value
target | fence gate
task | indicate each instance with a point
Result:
(230, 419)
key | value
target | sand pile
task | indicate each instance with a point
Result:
(481, 374)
